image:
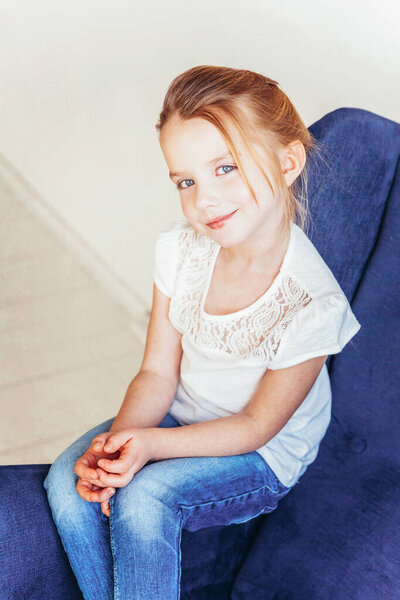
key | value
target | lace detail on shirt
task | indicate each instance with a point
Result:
(255, 335)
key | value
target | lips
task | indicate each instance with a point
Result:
(221, 218)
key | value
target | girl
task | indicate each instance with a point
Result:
(233, 396)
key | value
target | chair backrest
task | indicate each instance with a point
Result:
(337, 533)
(349, 189)
(355, 205)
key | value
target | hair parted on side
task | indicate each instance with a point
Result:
(259, 111)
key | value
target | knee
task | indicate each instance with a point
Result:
(60, 482)
(146, 498)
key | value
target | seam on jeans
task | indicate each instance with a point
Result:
(230, 497)
(113, 552)
(179, 554)
(267, 506)
(262, 510)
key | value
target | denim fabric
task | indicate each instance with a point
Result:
(136, 553)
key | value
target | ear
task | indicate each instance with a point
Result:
(293, 159)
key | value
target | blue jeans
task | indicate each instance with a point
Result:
(136, 553)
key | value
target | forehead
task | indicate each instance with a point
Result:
(179, 133)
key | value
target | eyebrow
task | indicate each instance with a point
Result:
(209, 162)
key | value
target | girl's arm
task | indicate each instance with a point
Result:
(151, 392)
(146, 402)
(277, 397)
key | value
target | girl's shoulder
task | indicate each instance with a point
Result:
(320, 320)
(181, 236)
(174, 232)
(176, 227)
(173, 248)
(308, 268)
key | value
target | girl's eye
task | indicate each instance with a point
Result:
(180, 187)
(226, 167)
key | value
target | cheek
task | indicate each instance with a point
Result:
(261, 190)
(185, 207)
(241, 193)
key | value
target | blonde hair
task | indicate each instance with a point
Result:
(260, 112)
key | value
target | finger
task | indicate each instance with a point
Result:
(105, 508)
(83, 469)
(101, 483)
(120, 465)
(101, 478)
(85, 489)
(85, 466)
(110, 479)
(92, 493)
(117, 439)
(99, 496)
(99, 441)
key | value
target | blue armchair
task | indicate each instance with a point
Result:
(336, 536)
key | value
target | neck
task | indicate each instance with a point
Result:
(255, 256)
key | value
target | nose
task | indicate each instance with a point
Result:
(206, 196)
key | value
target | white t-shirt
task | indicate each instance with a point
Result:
(303, 314)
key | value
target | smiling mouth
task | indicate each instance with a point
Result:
(221, 218)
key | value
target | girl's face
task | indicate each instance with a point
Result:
(210, 185)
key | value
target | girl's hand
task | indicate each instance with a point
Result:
(129, 450)
(87, 486)
(87, 491)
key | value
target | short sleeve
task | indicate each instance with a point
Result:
(165, 261)
(323, 327)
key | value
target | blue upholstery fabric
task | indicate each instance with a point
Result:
(336, 536)
(34, 565)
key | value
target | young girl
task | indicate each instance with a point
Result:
(233, 395)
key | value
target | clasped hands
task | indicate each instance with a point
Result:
(111, 461)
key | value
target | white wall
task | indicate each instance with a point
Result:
(82, 83)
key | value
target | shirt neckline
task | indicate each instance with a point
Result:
(254, 304)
